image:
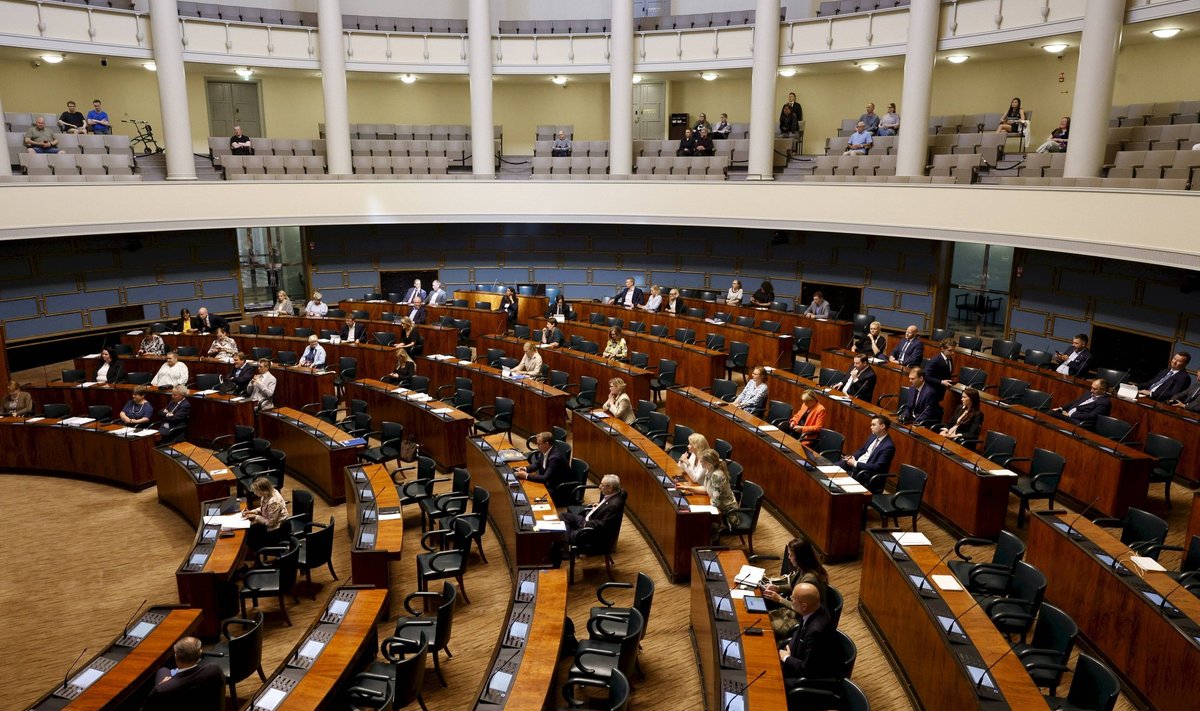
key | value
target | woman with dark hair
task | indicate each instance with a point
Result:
(560, 307)
(1014, 119)
(509, 304)
(967, 420)
(803, 566)
(765, 296)
(186, 323)
(111, 371)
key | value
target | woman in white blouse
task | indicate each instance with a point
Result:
(734, 297)
(267, 517)
(753, 397)
(531, 362)
(654, 303)
(111, 370)
(618, 404)
(171, 373)
(690, 461)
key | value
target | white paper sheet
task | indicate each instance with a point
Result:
(911, 538)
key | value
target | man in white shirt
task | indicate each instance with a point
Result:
(316, 308)
(1077, 361)
(262, 386)
(314, 354)
(437, 295)
(630, 296)
(171, 373)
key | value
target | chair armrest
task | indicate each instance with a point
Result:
(568, 387)
(210, 653)
(595, 625)
(828, 452)
(418, 594)
(308, 527)
(672, 448)
(439, 555)
(1012, 617)
(969, 541)
(1109, 522)
(440, 532)
(613, 585)
(485, 408)
(591, 652)
(1046, 666)
(252, 574)
(1037, 650)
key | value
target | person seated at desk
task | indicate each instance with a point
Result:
(924, 405)
(207, 323)
(873, 344)
(716, 487)
(416, 312)
(618, 403)
(603, 515)
(876, 454)
(551, 468)
(561, 147)
(222, 346)
(531, 361)
(137, 412)
(860, 381)
(405, 368)
(733, 297)
(415, 292)
(410, 338)
(171, 373)
(1075, 362)
(283, 304)
(628, 297)
(550, 336)
(186, 324)
(152, 344)
(819, 308)
(909, 351)
(753, 396)
(690, 462)
(806, 424)
(508, 304)
(560, 307)
(654, 303)
(813, 651)
(262, 386)
(1190, 399)
(674, 305)
(190, 685)
(1084, 409)
(805, 567)
(314, 354)
(17, 403)
(111, 370)
(351, 331)
(173, 418)
(437, 295)
(1170, 381)
(240, 376)
(939, 370)
(267, 518)
(616, 348)
(765, 296)
(967, 420)
(316, 308)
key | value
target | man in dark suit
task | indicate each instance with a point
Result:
(793, 106)
(939, 370)
(813, 651)
(190, 686)
(240, 376)
(552, 469)
(860, 381)
(1190, 399)
(1075, 362)
(418, 313)
(924, 400)
(876, 454)
(601, 517)
(208, 323)
(416, 292)
(630, 296)
(909, 351)
(1084, 409)
(550, 336)
(173, 418)
(352, 331)
(1169, 382)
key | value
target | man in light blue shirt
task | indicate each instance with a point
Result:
(314, 355)
(860, 141)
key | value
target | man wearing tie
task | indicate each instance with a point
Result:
(174, 417)
(1076, 362)
(909, 351)
(601, 517)
(1190, 400)
(924, 400)
(630, 296)
(1170, 382)
(1084, 410)
(238, 378)
(351, 331)
(875, 456)
(210, 322)
(437, 295)
(416, 292)
(813, 650)
(417, 313)
(314, 354)
(939, 370)
(860, 382)
(552, 469)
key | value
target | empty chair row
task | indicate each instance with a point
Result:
(554, 27)
(110, 4)
(294, 165)
(455, 150)
(861, 178)
(546, 132)
(1172, 165)
(411, 132)
(1116, 183)
(69, 178)
(234, 13)
(258, 177)
(578, 165)
(76, 164)
(1158, 114)
(398, 165)
(672, 165)
(219, 146)
(849, 7)
(1155, 137)
(1041, 165)
(871, 164)
(415, 25)
(591, 149)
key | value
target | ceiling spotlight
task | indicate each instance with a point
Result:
(56, 58)
(957, 58)
(244, 73)
(1055, 48)
(787, 72)
(560, 80)
(407, 78)
(150, 66)
(868, 67)
(1163, 33)
(709, 76)
(637, 78)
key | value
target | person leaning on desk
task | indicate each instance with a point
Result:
(267, 518)
(17, 403)
(531, 362)
(551, 468)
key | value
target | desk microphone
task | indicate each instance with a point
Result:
(921, 587)
(742, 693)
(729, 643)
(975, 465)
(986, 672)
(1129, 431)
(1130, 553)
(125, 631)
(204, 465)
(1071, 527)
(1162, 606)
(950, 627)
(71, 669)
(726, 596)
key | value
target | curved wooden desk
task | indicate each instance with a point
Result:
(187, 476)
(527, 306)
(576, 364)
(119, 673)
(539, 407)
(88, 452)
(316, 450)
(438, 339)
(347, 640)
(801, 494)
(511, 507)
(649, 475)
(826, 333)
(205, 577)
(725, 680)
(482, 322)
(442, 435)
(521, 674)
(375, 524)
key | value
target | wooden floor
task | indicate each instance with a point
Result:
(79, 557)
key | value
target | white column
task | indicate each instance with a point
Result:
(912, 144)
(1094, 78)
(172, 89)
(332, 49)
(620, 90)
(479, 57)
(5, 157)
(762, 91)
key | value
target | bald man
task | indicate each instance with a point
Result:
(813, 650)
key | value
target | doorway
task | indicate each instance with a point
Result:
(233, 102)
(980, 279)
(649, 123)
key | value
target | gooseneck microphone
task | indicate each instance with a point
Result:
(725, 647)
(987, 672)
(742, 693)
(125, 630)
(71, 669)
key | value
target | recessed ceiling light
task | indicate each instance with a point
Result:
(150, 66)
(244, 73)
(957, 58)
(407, 78)
(637, 78)
(1054, 48)
(709, 76)
(1166, 32)
(787, 72)
(560, 80)
(52, 58)
(868, 67)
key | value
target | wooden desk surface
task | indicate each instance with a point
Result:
(482, 322)
(539, 407)
(527, 306)
(1158, 657)
(88, 452)
(577, 363)
(442, 436)
(178, 486)
(206, 588)
(370, 561)
(521, 546)
(438, 339)
(910, 633)
(308, 454)
(826, 333)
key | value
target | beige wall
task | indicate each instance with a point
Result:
(696, 96)
(522, 107)
(1160, 70)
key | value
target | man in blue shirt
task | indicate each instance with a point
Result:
(860, 141)
(870, 119)
(97, 120)
(314, 355)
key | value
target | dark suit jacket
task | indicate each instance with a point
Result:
(637, 297)
(116, 372)
(863, 387)
(509, 308)
(937, 370)
(1086, 414)
(881, 458)
(863, 343)
(214, 322)
(1079, 367)
(605, 518)
(566, 311)
(360, 334)
(1190, 399)
(813, 651)
(553, 471)
(195, 323)
(413, 291)
(676, 308)
(241, 377)
(414, 336)
(1177, 383)
(913, 351)
(797, 111)
(198, 688)
(924, 405)
(418, 316)
(969, 429)
(178, 417)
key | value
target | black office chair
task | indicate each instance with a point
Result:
(316, 549)
(829, 444)
(138, 378)
(347, 370)
(1115, 429)
(207, 381)
(992, 578)
(394, 682)
(678, 445)
(641, 414)
(742, 521)
(1011, 390)
(1048, 650)
(478, 518)
(637, 326)
(612, 643)
(1142, 531)
(1037, 358)
(72, 376)
(643, 601)
(723, 389)
(385, 338)
(450, 561)
(501, 420)
(585, 397)
(102, 414)
(616, 685)
(724, 448)
(778, 413)
(439, 508)
(186, 351)
(803, 368)
(435, 628)
(840, 668)
(1093, 688)
(739, 355)
(801, 341)
(1167, 452)
(238, 655)
(56, 410)
(1112, 377)
(248, 329)
(287, 357)
(1045, 471)
(594, 542)
(1005, 349)
(275, 330)
(906, 500)
(391, 436)
(971, 343)
(667, 370)
(745, 321)
(845, 697)
(769, 326)
(275, 574)
(1015, 613)
(301, 511)
(1035, 400)
(973, 378)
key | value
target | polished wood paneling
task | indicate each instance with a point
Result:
(830, 519)
(88, 452)
(1193, 525)
(482, 322)
(438, 339)
(826, 333)
(576, 364)
(511, 499)
(671, 529)
(528, 307)
(538, 407)
(441, 436)
(1158, 659)
(211, 588)
(178, 486)
(307, 456)
(371, 493)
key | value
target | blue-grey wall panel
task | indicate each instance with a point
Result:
(690, 280)
(879, 298)
(81, 301)
(327, 280)
(160, 292)
(18, 308)
(917, 302)
(220, 287)
(612, 278)
(1027, 321)
(1065, 329)
(42, 326)
(14, 289)
(550, 275)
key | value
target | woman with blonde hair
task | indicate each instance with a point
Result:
(404, 370)
(268, 516)
(283, 304)
(716, 485)
(618, 404)
(531, 362)
(690, 461)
